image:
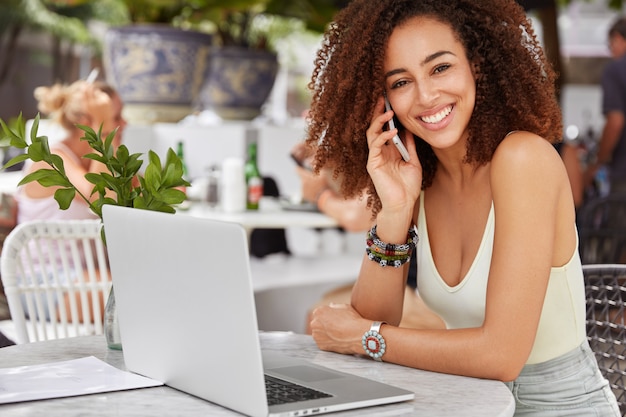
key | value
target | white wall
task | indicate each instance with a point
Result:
(582, 107)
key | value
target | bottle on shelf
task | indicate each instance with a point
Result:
(212, 195)
(254, 181)
(180, 152)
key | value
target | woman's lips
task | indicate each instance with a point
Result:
(437, 117)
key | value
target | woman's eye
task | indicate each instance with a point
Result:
(398, 84)
(441, 68)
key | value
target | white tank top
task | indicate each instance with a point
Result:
(562, 323)
(47, 207)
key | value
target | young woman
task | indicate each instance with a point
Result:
(92, 104)
(96, 105)
(474, 102)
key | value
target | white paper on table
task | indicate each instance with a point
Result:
(71, 378)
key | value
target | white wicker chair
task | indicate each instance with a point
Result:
(36, 289)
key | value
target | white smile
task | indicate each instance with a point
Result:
(437, 117)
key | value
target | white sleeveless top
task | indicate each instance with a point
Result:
(47, 207)
(562, 323)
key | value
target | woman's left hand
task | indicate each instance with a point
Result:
(338, 328)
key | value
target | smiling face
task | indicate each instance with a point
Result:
(430, 82)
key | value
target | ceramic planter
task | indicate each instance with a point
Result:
(239, 82)
(158, 70)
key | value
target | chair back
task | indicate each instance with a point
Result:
(605, 286)
(56, 278)
(602, 230)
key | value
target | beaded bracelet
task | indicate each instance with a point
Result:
(389, 254)
(383, 260)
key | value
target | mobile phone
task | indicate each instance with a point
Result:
(396, 139)
(299, 162)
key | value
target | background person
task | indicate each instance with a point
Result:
(91, 104)
(83, 103)
(612, 145)
(497, 254)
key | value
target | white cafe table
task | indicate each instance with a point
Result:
(436, 395)
(270, 216)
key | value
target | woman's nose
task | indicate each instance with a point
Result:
(426, 93)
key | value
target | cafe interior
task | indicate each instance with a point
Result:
(288, 235)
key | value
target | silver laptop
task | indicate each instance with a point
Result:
(187, 318)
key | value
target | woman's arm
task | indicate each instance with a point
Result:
(534, 212)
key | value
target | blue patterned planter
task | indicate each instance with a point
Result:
(239, 82)
(158, 70)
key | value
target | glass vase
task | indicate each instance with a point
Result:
(111, 323)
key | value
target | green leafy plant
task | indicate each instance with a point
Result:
(613, 4)
(157, 189)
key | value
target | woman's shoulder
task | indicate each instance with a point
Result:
(522, 155)
(523, 146)
(65, 152)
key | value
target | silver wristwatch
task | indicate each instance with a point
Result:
(373, 342)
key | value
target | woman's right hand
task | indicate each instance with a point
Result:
(312, 184)
(100, 111)
(398, 183)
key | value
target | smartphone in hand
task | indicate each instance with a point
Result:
(396, 139)
(299, 162)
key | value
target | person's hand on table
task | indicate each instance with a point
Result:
(312, 184)
(338, 328)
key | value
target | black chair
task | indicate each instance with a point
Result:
(265, 242)
(605, 288)
(602, 230)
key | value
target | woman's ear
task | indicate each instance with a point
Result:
(475, 70)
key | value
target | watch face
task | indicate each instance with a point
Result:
(373, 344)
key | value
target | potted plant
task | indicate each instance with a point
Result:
(156, 65)
(242, 64)
(157, 189)
(180, 66)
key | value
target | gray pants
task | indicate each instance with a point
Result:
(569, 385)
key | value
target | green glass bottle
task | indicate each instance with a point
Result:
(254, 181)
(180, 152)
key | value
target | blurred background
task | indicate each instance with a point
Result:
(43, 41)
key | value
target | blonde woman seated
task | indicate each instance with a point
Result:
(84, 103)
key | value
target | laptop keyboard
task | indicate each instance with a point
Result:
(280, 391)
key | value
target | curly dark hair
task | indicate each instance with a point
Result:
(515, 88)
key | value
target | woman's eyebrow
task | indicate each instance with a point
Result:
(436, 55)
(426, 60)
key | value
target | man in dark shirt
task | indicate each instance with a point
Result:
(612, 146)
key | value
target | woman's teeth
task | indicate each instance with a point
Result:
(437, 117)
